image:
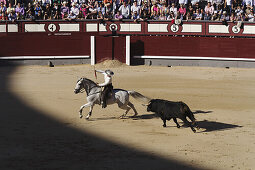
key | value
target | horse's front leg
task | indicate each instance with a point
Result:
(82, 107)
(90, 112)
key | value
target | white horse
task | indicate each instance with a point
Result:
(121, 97)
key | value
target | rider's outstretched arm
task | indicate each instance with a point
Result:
(100, 71)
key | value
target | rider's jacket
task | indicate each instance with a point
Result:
(107, 78)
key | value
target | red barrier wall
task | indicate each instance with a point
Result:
(192, 46)
(41, 44)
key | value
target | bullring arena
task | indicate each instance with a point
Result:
(40, 127)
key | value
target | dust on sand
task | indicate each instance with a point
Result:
(41, 129)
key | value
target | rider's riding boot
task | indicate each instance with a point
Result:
(103, 105)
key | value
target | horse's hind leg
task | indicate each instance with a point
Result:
(133, 107)
(124, 107)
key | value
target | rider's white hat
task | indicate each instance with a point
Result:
(109, 72)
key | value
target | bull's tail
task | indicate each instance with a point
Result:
(139, 96)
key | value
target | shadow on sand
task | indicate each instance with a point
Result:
(210, 126)
(31, 140)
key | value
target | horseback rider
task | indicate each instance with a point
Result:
(108, 88)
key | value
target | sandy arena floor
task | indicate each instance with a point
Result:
(40, 127)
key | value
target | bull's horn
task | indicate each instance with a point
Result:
(145, 104)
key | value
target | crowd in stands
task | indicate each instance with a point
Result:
(214, 10)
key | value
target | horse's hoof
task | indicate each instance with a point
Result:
(87, 118)
(81, 116)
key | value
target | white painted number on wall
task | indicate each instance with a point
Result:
(52, 27)
(174, 28)
(235, 29)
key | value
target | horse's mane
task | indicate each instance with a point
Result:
(86, 79)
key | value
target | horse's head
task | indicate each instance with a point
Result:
(79, 86)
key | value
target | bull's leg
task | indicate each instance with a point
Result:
(82, 107)
(191, 117)
(133, 107)
(164, 121)
(188, 124)
(175, 120)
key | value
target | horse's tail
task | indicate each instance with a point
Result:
(139, 96)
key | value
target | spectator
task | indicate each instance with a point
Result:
(3, 2)
(173, 9)
(64, 10)
(145, 7)
(92, 12)
(47, 12)
(215, 16)
(107, 3)
(108, 9)
(135, 16)
(184, 3)
(108, 16)
(250, 17)
(55, 13)
(154, 15)
(20, 13)
(3, 16)
(145, 15)
(164, 9)
(238, 11)
(38, 11)
(45, 2)
(228, 6)
(30, 16)
(193, 2)
(175, 2)
(84, 11)
(100, 16)
(118, 16)
(171, 16)
(189, 16)
(28, 8)
(2, 11)
(207, 16)
(197, 15)
(190, 9)
(12, 16)
(182, 11)
(101, 9)
(162, 16)
(209, 9)
(9, 10)
(232, 17)
(125, 11)
(74, 12)
(135, 8)
(224, 17)
(154, 10)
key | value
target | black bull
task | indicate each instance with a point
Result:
(167, 110)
